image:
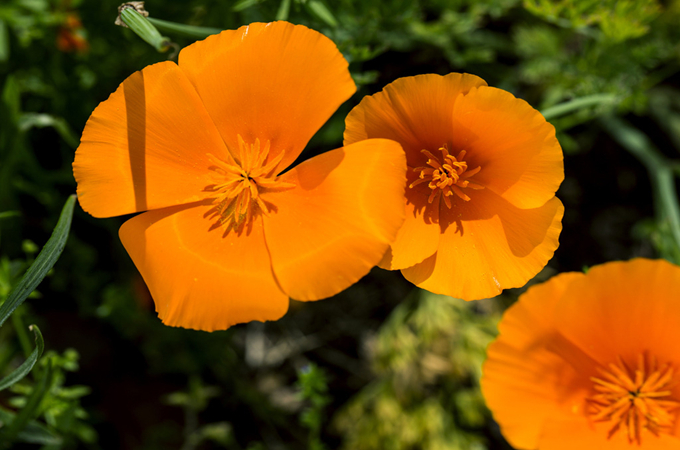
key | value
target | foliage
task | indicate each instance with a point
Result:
(427, 358)
(314, 390)
(387, 372)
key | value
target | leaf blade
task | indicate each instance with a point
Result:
(43, 263)
(24, 369)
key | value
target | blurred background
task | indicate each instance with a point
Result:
(382, 365)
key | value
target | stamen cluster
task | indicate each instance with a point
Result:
(242, 180)
(446, 176)
(634, 399)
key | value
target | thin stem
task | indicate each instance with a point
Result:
(659, 167)
(185, 30)
(19, 329)
(144, 29)
(576, 104)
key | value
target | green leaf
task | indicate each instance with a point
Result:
(244, 4)
(27, 365)
(8, 214)
(11, 97)
(39, 120)
(11, 432)
(322, 12)
(43, 263)
(33, 433)
(284, 10)
(578, 104)
(4, 42)
(660, 172)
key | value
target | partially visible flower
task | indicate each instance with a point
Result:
(203, 146)
(72, 36)
(483, 168)
(591, 361)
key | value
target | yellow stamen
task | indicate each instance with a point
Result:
(446, 176)
(240, 182)
(634, 399)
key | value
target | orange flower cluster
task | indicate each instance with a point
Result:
(591, 361)
(445, 178)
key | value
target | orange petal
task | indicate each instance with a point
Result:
(414, 111)
(418, 238)
(198, 277)
(488, 245)
(339, 219)
(145, 147)
(526, 379)
(276, 81)
(625, 309)
(516, 148)
(569, 433)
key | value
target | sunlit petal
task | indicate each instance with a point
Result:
(198, 277)
(572, 432)
(516, 148)
(418, 238)
(338, 221)
(146, 146)
(274, 81)
(486, 245)
(524, 381)
(606, 318)
(414, 111)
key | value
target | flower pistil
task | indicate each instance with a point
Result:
(446, 176)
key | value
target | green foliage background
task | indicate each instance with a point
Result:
(383, 365)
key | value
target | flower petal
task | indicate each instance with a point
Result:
(276, 81)
(593, 436)
(525, 379)
(339, 219)
(414, 111)
(145, 147)
(604, 316)
(516, 148)
(488, 245)
(198, 277)
(418, 238)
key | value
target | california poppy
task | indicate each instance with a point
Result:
(483, 168)
(72, 36)
(591, 361)
(201, 145)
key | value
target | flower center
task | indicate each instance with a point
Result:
(446, 175)
(241, 182)
(634, 399)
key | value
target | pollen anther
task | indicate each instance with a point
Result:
(240, 182)
(446, 176)
(634, 400)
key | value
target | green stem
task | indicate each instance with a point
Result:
(185, 30)
(21, 332)
(144, 29)
(576, 104)
(660, 170)
(284, 10)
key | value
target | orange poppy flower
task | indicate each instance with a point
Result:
(201, 145)
(591, 361)
(72, 35)
(483, 168)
